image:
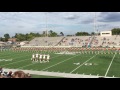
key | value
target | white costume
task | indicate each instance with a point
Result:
(33, 57)
(36, 57)
(48, 57)
(40, 58)
(44, 58)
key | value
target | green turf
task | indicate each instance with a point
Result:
(100, 68)
(64, 63)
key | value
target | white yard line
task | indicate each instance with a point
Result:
(110, 65)
(59, 63)
(16, 61)
(36, 63)
(82, 64)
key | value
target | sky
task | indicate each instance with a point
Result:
(66, 22)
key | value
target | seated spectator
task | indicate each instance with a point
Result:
(1, 75)
(19, 74)
(1, 69)
(28, 75)
(9, 75)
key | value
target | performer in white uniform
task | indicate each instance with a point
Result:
(33, 57)
(44, 58)
(48, 58)
(36, 57)
(40, 58)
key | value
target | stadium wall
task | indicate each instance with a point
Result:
(52, 46)
(115, 46)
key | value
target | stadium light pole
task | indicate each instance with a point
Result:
(95, 23)
(46, 26)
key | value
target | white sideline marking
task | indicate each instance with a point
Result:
(82, 64)
(110, 65)
(66, 75)
(36, 63)
(59, 63)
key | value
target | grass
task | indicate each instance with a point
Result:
(63, 63)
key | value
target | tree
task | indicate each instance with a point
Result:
(61, 33)
(20, 37)
(44, 33)
(1, 39)
(116, 31)
(52, 34)
(98, 33)
(82, 34)
(92, 33)
(37, 35)
(15, 35)
(7, 36)
(69, 35)
(29, 37)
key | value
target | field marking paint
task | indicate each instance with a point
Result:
(59, 63)
(82, 64)
(35, 63)
(19, 57)
(15, 62)
(110, 65)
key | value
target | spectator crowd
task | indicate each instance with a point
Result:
(16, 74)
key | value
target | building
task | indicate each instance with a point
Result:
(106, 33)
(23, 43)
(12, 39)
(2, 43)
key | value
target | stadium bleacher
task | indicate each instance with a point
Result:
(44, 41)
(81, 41)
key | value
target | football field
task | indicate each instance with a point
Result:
(106, 65)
